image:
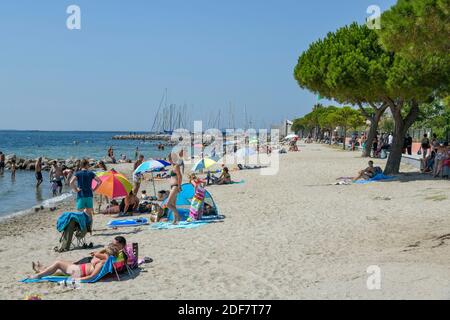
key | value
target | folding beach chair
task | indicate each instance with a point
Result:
(66, 243)
(72, 227)
(127, 261)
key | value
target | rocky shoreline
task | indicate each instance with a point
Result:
(30, 164)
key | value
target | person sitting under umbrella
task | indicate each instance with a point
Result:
(225, 177)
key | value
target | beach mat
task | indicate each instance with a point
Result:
(107, 268)
(185, 224)
(378, 177)
(127, 223)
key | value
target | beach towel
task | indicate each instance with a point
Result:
(237, 182)
(106, 269)
(378, 177)
(185, 224)
(127, 223)
(81, 218)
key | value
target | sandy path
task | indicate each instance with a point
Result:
(288, 236)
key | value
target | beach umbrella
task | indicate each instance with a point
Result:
(114, 184)
(291, 136)
(151, 166)
(204, 163)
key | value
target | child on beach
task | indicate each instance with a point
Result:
(198, 201)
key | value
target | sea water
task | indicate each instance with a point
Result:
(19, 195)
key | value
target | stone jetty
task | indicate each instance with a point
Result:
(30, 164)
(143, 137)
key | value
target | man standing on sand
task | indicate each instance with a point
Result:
(137, 178)
(38, 172)
(2, 163)
(81, 183)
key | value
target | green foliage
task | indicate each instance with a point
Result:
(328, 118)
(387, 124)
(419, 31)
(417, 28)
(351, 66)
(435, 116)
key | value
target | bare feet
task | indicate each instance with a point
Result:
(37, 266)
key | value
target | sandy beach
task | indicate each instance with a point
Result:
(294, 235)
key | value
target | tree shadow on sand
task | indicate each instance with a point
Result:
(413, 176)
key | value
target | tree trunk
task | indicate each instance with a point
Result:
(374, 121)
(369, 142)
(400, 128)
(345, 136)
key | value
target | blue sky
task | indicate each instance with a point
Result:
(111, 74)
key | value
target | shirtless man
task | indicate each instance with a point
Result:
(57, 175)
(2, 163)
(38, 172)
(366, 174)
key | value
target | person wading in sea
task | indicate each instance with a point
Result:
(2, 163)
(38, 172)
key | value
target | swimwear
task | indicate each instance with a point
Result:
(2, 164)
(39, 175)
(83, 270)
(172, 173)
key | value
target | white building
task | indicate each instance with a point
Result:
(285, 128)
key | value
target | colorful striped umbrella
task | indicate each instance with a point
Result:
(114, 184)
(204, 163)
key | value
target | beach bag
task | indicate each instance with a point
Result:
(378, 170)
(131, 255)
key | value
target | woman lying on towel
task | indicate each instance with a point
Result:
(83, 272)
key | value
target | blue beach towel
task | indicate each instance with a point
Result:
(238, 182)
(378, 177)
(185, 224)
(106, 269)
(80, 217)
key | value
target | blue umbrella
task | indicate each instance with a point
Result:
(151, 166)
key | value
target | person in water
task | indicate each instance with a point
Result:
(175, 187)
(56, 176)
(83, 272)
(13, 169)
(2, 163)
(38, 172)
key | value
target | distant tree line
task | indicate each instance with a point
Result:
(403, 67)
